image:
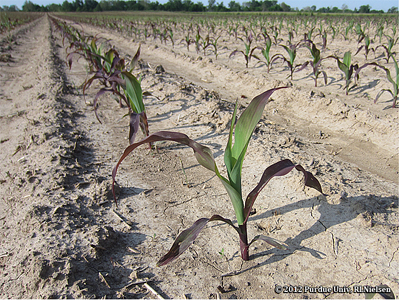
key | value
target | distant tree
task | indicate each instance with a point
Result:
(275, 7)
(53, 7)
(234, 6)
(66, 6)
(344, 7)
(105, 5)
(211, 4)
(29, 6)
(90, 5)
(285, 7)
(364, 9)
(78, 5)
(97, 8)
(221, 7)
(267, 4)
(13, 8)
(393, 10)
(155, 6)
(313, 8)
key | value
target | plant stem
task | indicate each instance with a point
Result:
(244, 245)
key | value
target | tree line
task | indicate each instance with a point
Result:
(183, 5)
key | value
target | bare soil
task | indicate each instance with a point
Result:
(63, 237)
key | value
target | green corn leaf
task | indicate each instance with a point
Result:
(347, 59)
(316, 54)
(228, 157)
(344, 69)
(367, 41)
(268, 44)
(248, 121)
(133, 91)
(247, 46)
(234, 155)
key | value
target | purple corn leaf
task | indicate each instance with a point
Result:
(269, 240)
(202, 153)
(135, 59)
(278, 169)
(302, 66)
(187, 237)
(98, 75)
(133, 126)
(99, 93)
(359, 49)
(236, 51)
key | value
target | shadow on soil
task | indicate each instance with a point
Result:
(370, 207)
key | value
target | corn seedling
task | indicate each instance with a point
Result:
(347, 68)
(366, 47)
(395, 83)
(266, 53)
(188, 41)
(388, 48)
(316, 63)
(117, 76)
(233, 158)
(248, 53)
(291, 50)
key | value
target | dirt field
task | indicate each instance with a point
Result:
(62, 236)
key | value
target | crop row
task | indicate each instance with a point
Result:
(272, 39)
(10, 20)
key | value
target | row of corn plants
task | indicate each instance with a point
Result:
(113, 72)
(11, 20)
(273, 40)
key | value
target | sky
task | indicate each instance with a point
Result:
(375, 4)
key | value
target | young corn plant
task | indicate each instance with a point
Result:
(347, 68)
(197, 40)
(115, 75)
(316, 63)
(367, 43)
(188, 41)
(291, 50)
(233, 158)
(388, 48)
(248, 53)
(395, 83)
(265, 52)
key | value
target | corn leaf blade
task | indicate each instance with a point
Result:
(269, 240)
(280, 168)
(133, 91)
(187, 237)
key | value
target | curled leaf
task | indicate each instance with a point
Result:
(278, 169)
(187, 237)
(269, 240)
(202, 153)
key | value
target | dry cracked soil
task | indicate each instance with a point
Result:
(62, 236)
